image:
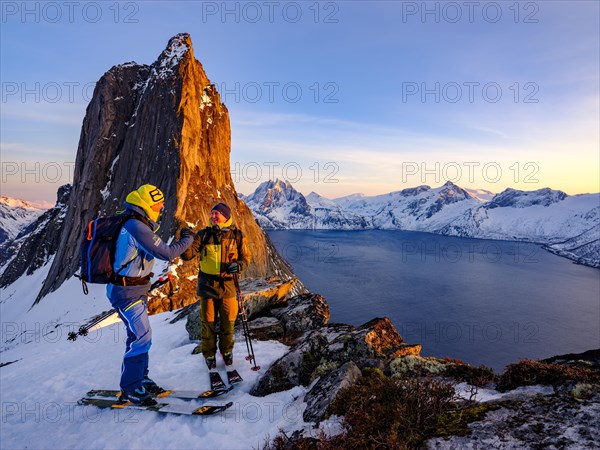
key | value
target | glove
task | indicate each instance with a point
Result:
(186, 232)
(233, 267)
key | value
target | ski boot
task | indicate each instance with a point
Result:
(151, 387)
(228, 358)
(139, 396)
(211, 362)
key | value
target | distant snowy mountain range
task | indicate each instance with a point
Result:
(15, 216)
(566, 225)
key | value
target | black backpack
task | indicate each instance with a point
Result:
(98, 249)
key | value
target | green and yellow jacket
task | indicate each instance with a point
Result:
(217, 246)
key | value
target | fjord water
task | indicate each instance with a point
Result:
(482, 301)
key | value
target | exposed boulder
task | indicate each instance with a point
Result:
(302, 313)
(533, 420)
(266, 328)
(325, 390)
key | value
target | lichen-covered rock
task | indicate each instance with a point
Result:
(417, 366)
(325, 390)
(530, 420)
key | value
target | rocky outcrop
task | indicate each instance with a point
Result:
(531, 420)
(37, 247)
(302, 312)
(162, 124)
(553, 403)
(325, 349)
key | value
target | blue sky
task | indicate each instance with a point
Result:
(337, 97)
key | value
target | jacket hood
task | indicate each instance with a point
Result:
(155, 226)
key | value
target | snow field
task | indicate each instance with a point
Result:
(39, 391)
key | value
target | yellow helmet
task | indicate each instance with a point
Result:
(147, 197)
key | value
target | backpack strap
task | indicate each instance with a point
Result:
(206, 235)
(132, 215)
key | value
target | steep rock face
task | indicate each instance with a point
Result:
(162, 124)
(37, 247)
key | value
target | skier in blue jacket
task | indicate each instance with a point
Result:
(136, 249)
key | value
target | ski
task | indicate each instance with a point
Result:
(167, 408)
(233, 377)
(175, 393)
(216, 382)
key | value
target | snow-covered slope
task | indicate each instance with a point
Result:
(583, 248)
(15, 216)
(420, 209)
(43, 375)
(544, 216)
(538, 216)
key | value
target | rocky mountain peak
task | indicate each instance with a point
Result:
(274, 193)
(514, 198)
(162, 124)
(451, 190)
(177, 48)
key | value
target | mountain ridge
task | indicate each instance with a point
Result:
(546, 216)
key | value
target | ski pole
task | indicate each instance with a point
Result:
(83, 330)
(242, 311)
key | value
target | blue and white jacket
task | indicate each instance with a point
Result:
(139, 244)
